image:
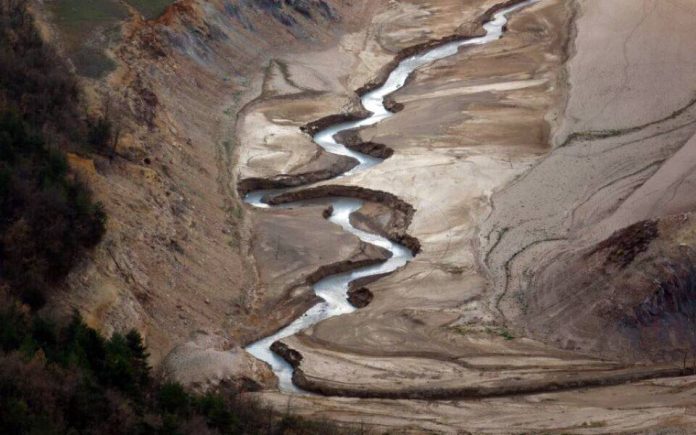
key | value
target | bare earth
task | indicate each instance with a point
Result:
(177, 259)
(552, 177)
(515, 158)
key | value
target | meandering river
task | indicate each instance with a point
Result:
(333, 289)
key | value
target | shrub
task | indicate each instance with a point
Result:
(99, 134)
(47, 217)
(70, 379)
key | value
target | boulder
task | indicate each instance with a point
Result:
(208, 361)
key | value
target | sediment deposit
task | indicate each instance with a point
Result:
(545, 179)
(483, 150)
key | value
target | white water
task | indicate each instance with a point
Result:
(333, 289)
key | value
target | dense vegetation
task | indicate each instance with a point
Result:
(67, 378)
(56, 380)
(47, 217)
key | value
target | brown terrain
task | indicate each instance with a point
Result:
(177, 259)
(544, 178)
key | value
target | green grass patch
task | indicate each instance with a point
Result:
(88, 11)
(93, 63)
(502, 332)
(77, 19)
(86, 27)
(150, 9)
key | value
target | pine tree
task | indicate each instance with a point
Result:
(139, 357)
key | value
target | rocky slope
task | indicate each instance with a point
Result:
(177, 255)
(592, 247)
(548, 178)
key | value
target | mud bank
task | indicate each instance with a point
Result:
(374, 102)
(353, 141)
(290, 267)
(511, 388)
(474, 134)
(359, 297)
(297, 297)
(419, 312)
(314, 127)
(247, 185)
(375, 253)
(402, 218)
(472, 30)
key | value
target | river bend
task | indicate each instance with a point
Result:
(333, 289)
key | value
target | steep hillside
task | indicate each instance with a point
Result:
(544, 180)
(175, 257)
(593, 247)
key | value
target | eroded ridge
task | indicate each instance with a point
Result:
(333, 289)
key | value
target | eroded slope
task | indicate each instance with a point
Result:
(564, 257)
(176, 258)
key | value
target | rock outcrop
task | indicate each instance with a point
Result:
(206, 362)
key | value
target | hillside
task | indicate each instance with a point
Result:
(542, 181)
(175, 260)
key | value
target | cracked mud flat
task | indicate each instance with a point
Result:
(503, 213)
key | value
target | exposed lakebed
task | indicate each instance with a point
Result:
(333, 289)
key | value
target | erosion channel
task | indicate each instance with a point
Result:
(333, 289)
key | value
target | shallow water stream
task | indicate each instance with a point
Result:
(333, 289)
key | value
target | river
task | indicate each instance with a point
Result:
(333, 289)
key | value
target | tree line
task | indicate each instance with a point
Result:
(67, 378)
